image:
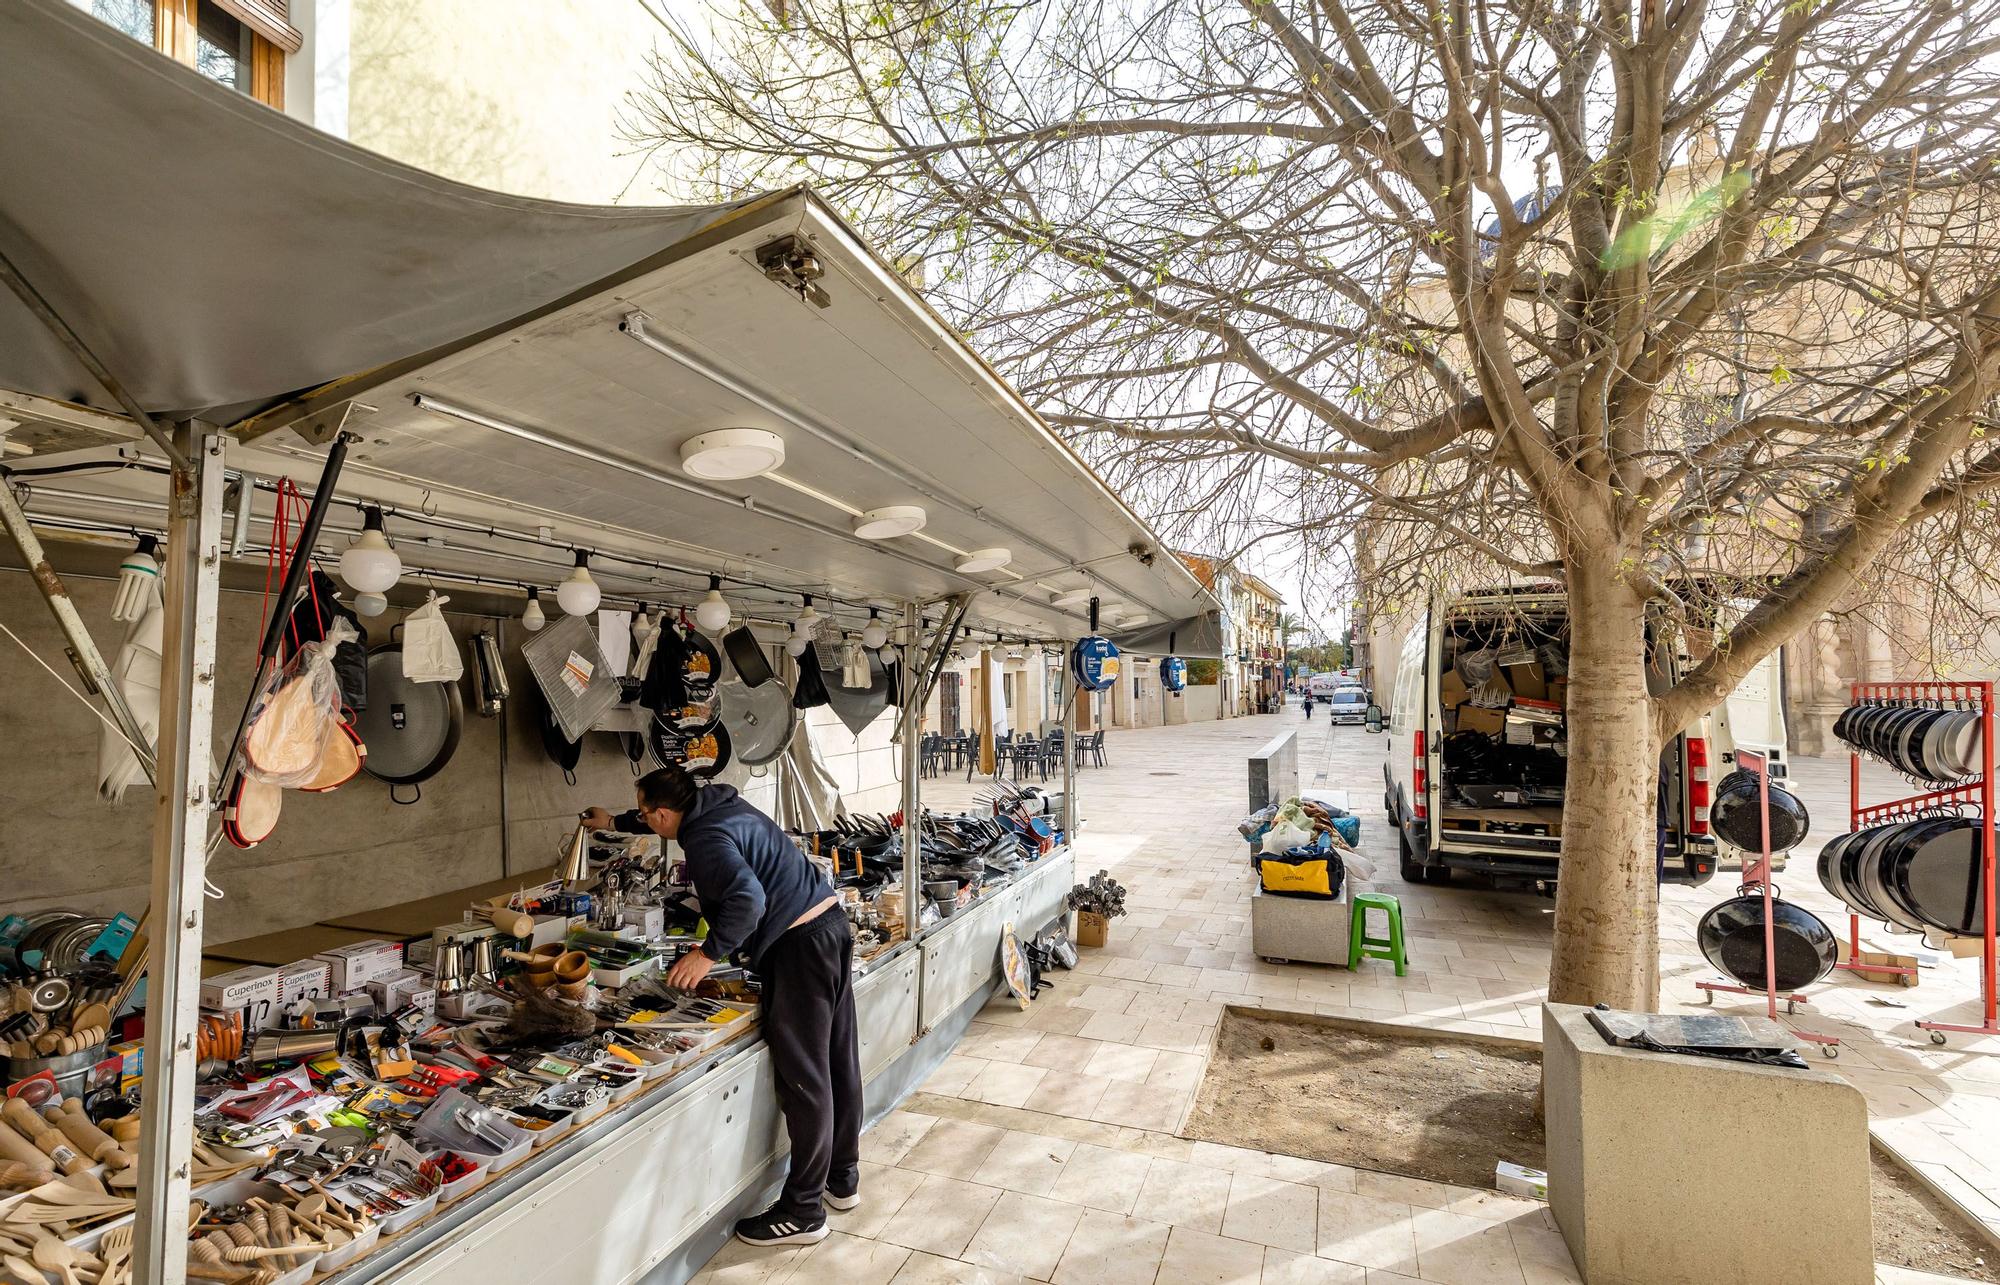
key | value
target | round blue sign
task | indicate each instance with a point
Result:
(1173, 674)
(1094, 662)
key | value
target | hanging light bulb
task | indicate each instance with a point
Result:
(370, 604)
(968, 650)
(532, 618)
(370, 565)
(808, 618)
(873, 634)
(579, 595)
(712, 613)
(802, 629)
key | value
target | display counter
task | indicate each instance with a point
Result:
(648, 1190)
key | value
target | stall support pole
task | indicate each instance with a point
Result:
(987, 764)
(914, 693)
(88, 658)
(180, 832)
(1076, 695)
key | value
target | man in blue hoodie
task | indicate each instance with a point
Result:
(763, 899)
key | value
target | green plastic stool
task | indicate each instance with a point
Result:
(1361, 946)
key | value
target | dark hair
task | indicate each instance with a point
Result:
(669, 787)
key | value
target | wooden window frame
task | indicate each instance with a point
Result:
(174, 36)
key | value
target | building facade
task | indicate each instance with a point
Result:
(1251, 677)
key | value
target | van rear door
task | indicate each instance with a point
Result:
(1753, 716)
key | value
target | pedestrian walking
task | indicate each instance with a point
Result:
(1309, 708)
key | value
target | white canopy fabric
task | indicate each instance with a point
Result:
(530, 364)
(216, 254)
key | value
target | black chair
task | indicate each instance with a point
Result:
(1028, 754)
(1095, 749)
(930, 753)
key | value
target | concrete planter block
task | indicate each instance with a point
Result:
(1672, 1170)
(1274, 771)
(1299, 929)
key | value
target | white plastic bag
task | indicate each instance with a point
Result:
(1284, 836)
(430, 653)
(295, 712)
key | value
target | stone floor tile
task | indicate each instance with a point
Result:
(893, 1136)
(1374, 1233)
(1119, 1061)
(953, 1148)
(1273, 1212)
(1072, 1094)
(1024, 1234)
(1202, 1258)
(1111, 1249)
(1457, 1249)
(1006, 1084)
(1027, 1162)
(1186, 1195)
(930, 1269)
(884, 1188)
(1282, 1267)
(1061, 1052)
(1102, 1178)
(941, 1216)
(854, 1259)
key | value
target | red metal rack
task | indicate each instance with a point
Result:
(1757, 874)
(1977, 792)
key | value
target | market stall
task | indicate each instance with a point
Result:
(727, 434)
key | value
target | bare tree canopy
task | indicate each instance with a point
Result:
(1673, 300)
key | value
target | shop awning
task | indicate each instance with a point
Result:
(528, 362)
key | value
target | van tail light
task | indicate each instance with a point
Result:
(1420, 785)
(1697, 763)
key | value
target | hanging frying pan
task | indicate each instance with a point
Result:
(701, 663)
(746, 657)
(1951, 749)
(1869, 865)
(700, 714)
(856, 707)
(252, 811)
(1934, 874)
(411, 729)
(759, 719)
(702, 755)
(340, 758)
(1733, 815)
(1731, 936)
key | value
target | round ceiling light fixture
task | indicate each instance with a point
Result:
(732, 454)
(984, 560)
(712, 613)
(874, 634)
(889, 522)
(532, 616)
(578, 594)
(369, 565)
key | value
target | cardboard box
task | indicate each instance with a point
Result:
(355, 966)
(304, 979)
(1559, 692)
(1527, 680)
(1487, 722)
(1451, 689)
(252, 988)
(395, 990)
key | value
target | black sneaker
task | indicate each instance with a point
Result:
(773, 1227)
(842, 1200)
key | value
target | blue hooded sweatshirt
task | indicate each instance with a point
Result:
(752, 879)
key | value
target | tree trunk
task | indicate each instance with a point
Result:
(1607, 924)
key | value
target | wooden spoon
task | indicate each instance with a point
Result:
(55, 1256)
(23, 1269)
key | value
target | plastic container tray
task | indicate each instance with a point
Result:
(335, 1259)
(469, 1183)
(423, 1209)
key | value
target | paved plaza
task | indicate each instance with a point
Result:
(1045, 1147)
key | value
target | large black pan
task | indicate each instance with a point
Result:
(1934, 875)
(1731, 936)
(1733, 816)
(411, 729)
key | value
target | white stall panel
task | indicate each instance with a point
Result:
(885, 1011)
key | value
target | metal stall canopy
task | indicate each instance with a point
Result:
(506, 360)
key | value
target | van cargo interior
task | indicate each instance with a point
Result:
(1501, 696)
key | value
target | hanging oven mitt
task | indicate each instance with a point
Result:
(430, 653)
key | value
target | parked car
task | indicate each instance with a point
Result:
(1348, 705)
(1458, 806)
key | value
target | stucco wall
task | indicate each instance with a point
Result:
(333, 853)
(520, 96)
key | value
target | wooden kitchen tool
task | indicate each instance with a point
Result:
(45, 1136)
(90, 1139)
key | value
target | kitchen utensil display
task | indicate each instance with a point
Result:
(1733, 815)
(340, 758)
(568, 666)
(490, 686)
(411, 729)
(1918, 740)
(1922, 875)
(701, 664)
(1731, 936)
(746, 657)
(702, 754)
(758, 717)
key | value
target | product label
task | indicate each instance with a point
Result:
(576, 672)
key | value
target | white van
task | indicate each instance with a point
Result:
(1476, 768)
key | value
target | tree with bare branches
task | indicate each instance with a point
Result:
(1675, 300)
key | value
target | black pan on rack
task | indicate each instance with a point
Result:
(1927, 741)
(1731, 936)
(1934, 874)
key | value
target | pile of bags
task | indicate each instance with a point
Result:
(1304, 848)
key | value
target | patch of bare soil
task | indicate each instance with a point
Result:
(1426, 1106)
(1915, 1229)
(1437, 1106)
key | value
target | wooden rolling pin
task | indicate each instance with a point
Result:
(515, 923)
(91, 1140)
(15, 1147)
(44, 1135)
(125, 1129)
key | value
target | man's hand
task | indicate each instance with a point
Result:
(599, 819)
(688, 973)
